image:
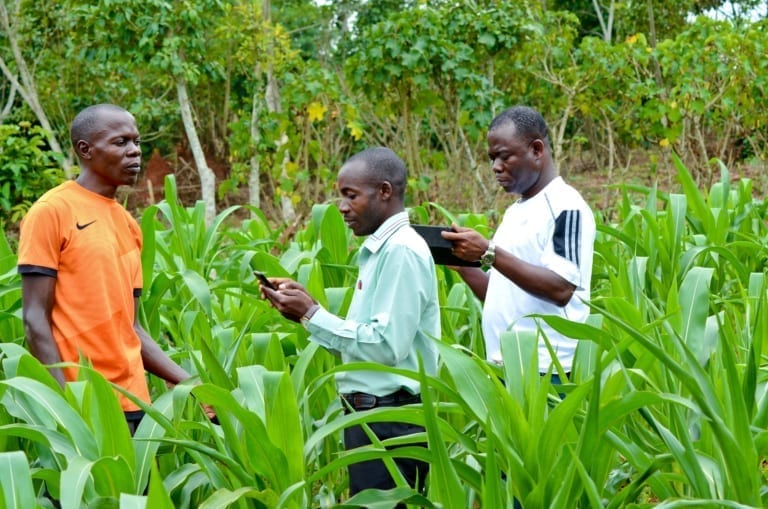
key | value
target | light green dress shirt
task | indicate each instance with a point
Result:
(394, 315)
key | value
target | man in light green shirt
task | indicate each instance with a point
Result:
(394, 317)
(394, 313)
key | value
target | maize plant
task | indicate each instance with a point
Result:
(666, 404)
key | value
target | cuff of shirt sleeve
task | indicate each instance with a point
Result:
(309, 314)
(325, 329)
(565, 269)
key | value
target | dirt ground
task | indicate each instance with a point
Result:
(150, 187)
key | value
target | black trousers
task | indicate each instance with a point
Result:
(373, 473)
(133, 419)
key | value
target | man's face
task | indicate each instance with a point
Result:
(513, 161)
(113, 153)
(362, 203)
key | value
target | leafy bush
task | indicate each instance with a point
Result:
(27, 169)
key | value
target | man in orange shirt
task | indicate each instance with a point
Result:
(80, 262)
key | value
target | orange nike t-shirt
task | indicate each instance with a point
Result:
(92, 246)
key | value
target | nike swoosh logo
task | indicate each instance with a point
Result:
(84, 226)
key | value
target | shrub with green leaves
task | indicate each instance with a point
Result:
(27, 169)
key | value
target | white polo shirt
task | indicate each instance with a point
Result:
(553, 229)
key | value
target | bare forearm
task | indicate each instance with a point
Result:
(538, 281)
(476, 279)
(37, 305)
(157, 362)
(43, 347)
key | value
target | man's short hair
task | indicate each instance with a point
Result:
(382, 164)
(87, 121)
(529, 124)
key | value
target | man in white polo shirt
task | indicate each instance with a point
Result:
(539, 260)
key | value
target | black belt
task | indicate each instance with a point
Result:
(363, 401)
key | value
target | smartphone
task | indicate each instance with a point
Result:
(263, 279)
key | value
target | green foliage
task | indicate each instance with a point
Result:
(695, 272)
(696, 91)
(433, 67)
(723, 75)
(18, 491)
(11, 328)
(424, 65)
(27, 169)
(424, 78)
(629, 18)
(664, 405)
(169, 37)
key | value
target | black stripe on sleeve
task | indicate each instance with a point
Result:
(137, 292)
(37, 270)
(567, 236)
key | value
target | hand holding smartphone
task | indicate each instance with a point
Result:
(263, 280)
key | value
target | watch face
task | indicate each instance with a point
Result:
(490, 254)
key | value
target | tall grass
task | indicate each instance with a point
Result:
(666, 405)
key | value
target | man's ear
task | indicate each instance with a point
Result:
(385, 189)
(83, 149)
(538, 147)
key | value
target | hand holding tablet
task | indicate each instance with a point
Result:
(441, 248)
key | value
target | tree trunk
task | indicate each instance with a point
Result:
(9, 103)
(273, 105)
(28, 88)
(207, 178)
(254, 176)
(272, 100)
(652, 40)
(286, 205)
(562, 124)
(605, 25)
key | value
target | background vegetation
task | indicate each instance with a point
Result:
(259, 102)
(254, 106)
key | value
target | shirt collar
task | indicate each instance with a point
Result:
(377, 239)
(552, 184)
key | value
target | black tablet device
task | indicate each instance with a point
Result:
(441, 248)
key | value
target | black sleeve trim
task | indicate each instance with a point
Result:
(37, 270)
(137, 292)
